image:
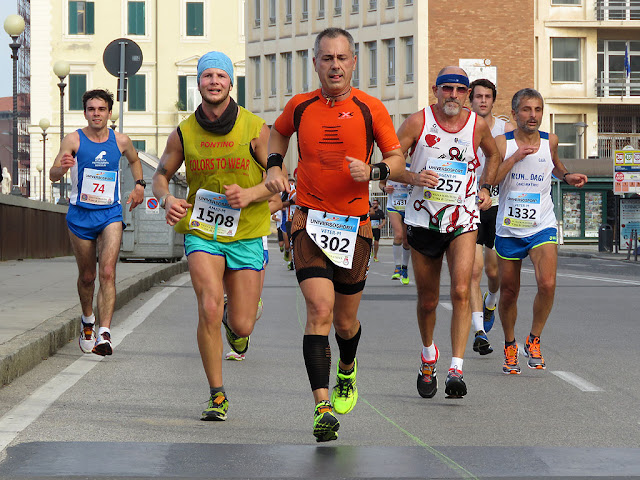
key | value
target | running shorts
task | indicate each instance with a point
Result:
(512, 248)
(88, 223)
(429, 242)
(245, 254)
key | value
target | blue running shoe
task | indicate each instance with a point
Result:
(488, 314)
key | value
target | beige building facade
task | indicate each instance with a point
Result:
(172, 36)
(391, 47)
(592, 100)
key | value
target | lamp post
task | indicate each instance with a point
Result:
(581, 127)
(14, 26)
(44, 124)
(40, 169)
(61, 70)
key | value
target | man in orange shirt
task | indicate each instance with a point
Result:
(336, 127)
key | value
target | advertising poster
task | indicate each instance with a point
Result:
(626, 171)
(629, 220)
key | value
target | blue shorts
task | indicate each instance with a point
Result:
(239, 255)
(391, 209)
(88, 223)
(512, 248)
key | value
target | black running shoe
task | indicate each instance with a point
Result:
(427, 381)
(454, 385)
(481, 343)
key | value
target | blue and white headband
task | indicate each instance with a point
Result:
(452, 78)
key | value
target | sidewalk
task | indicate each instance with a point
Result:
(39, 306)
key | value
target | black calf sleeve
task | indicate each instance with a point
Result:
(317, 358)
(348, 347)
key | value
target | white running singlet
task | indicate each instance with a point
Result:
(450, 207)
(526, 206)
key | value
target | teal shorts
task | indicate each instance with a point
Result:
(511, 248)
(238, 255)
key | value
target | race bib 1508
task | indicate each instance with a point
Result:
(213, 215)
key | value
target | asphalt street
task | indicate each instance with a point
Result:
(137, 414)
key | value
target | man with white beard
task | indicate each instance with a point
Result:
(442, 216)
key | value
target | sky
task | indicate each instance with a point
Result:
(7, 7)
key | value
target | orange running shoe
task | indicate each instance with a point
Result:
(511, 365)
(532, 351)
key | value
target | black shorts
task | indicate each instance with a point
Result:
(287, 226)
(310, 262)
(430, 243)
(376, 234)
(280, 236)
(487, 227)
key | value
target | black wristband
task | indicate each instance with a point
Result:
(379, 171)
(487, 186)
(564, 177)
(274, 160)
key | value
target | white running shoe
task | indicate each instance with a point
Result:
(103, 345)
(87, 338)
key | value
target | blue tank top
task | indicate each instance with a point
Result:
(95, 177)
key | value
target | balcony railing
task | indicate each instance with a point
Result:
(609, 142)
(618, 9)
(618, 85)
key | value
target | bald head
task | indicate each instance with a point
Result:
(452, 69)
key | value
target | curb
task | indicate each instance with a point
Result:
(25, 351)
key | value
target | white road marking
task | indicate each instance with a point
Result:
(25, 413)
(577, 381)
(588, 277)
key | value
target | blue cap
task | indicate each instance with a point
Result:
(215, 60)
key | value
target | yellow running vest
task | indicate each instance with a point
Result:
(212, 161)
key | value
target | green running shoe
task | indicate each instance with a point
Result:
(217, 409)
(240, 345)
(396, 273)
(345, 394)
(325, 423)
(404, 272)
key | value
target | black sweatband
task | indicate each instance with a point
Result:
(379, 171)
(564, 177)
(274, 160)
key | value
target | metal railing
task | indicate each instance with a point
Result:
(617, 9)
(609, 142)
(616, 84)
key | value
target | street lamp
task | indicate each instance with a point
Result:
(14, 26)
(115, 114)
(61, 70)
(44, 124)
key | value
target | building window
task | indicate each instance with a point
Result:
(355, 79)
(320, 8)
(273, 86)
(566, 2)
(256, 77)
(188, 94)
(355, 6)
(408, 2)
(612, 74)
(305, 9)
(256, 20)
(287, 11)
(139, 145)
(567, 140)
(241, 91)
(391, 3)
(137, 98)
(391, 61)
(337, 7)
(288, 65)
(408, 59)
(135, 18)
(272, 12)
(77, 87)
(565, 53)
(373, 4)
(81, 18)
(373, 63)
(304, 67)
(195, 19)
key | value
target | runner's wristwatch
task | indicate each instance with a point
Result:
(141, 182)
